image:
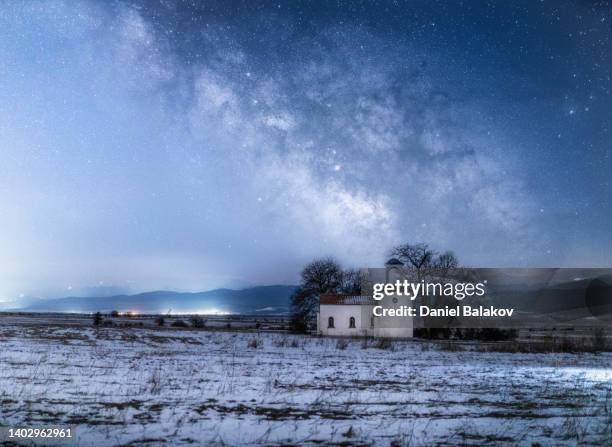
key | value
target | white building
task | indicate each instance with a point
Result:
(352, 315)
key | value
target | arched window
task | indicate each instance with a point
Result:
(330, 322)
(352, 322)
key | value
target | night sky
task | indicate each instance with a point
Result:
(192, 145)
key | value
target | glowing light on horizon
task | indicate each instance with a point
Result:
(210, 311)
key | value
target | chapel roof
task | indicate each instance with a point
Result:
(333, 298)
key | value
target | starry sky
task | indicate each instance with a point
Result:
(191, 145)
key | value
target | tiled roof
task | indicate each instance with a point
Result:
(332, 298)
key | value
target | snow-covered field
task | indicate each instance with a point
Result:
(172, 387)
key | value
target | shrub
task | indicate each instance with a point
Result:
(384, 343)
(280, 342)
(160, 321)
(298, 324)
(97, 319)
(178, 323)
(342, 344)
(114, 313)
(567, 345)
(483, 334)
(440, 333)
(448, 345)
(495, 334)
(463, 333)
(420, 332)
(284, 342)
(197, 321)
(559, 344)
(366, 342)
(599, 339)
(432, 333)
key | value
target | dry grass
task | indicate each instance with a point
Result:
(181, 387)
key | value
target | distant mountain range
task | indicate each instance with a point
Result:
(592, 296)
(261, 299)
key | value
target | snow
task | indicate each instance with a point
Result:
(181, 387)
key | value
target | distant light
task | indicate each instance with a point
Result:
(211, 311)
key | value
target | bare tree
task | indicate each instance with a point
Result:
(423, 263)
(446, 263)
(320, 276)
(418, 257)
(351, 282)
(303, 308)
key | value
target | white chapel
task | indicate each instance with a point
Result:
(352, 315)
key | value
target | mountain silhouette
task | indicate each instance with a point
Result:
(262, 299)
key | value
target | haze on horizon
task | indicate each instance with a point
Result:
(162, 145)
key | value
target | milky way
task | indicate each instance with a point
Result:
(165, 145)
